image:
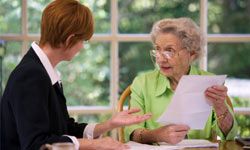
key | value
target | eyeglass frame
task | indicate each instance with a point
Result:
(165, 54)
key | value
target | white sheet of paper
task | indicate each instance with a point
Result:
(189, 105)
(192, 143)
(196, 143)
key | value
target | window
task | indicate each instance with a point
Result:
(94, 79)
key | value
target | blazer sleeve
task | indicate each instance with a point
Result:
(29, 103)
(76, 129)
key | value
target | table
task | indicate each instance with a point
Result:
(230, 145)
(226, 145)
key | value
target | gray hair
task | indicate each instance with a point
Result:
(185, 29)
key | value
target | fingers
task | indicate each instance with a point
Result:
(132, 110)
(108, 143)
(220, 87)
(176, 137)
(177, 128)
(215, 93)
(222, 91)
(139, 118)
(181, 134)
(125, 147)
(173, 133)
(128, 118)
(144, 117)
(214, 96)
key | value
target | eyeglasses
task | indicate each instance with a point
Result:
(165, 54)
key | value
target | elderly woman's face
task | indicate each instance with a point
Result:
(171, 58)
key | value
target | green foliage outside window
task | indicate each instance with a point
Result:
(87, 76)
(10, 16)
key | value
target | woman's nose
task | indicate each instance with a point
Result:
(161, 58)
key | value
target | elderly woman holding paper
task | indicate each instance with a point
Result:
(177, 44)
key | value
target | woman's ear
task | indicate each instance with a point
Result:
(194, 55)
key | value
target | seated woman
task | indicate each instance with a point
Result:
(178, 42)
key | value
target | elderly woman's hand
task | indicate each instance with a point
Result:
(171, 134)
(217, 95)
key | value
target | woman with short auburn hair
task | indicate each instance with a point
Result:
(33, 105)
(57, 25)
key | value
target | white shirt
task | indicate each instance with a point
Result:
(55, 77)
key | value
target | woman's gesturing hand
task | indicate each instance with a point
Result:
(128, 117)
(121, 119)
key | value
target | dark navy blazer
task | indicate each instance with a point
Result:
(33, 111)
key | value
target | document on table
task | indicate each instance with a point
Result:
(189, 105)
(183, 144)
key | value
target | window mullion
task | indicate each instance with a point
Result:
(114, 62)
(24, 32)
(203, 26)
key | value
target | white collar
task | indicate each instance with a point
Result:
(52, 72)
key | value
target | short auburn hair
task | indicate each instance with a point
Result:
(62, 18)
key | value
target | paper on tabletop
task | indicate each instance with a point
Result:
(196, 143)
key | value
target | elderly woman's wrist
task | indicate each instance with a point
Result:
(145, 136)
(223, 115)
(221, 112)
(156, 135)
(221, 107)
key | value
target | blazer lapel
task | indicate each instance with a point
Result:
(58, 88)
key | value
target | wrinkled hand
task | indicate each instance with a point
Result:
(127, 117)
(216, 95)
(106, 143)
(172, 134)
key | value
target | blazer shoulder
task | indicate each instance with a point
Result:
(29, 70)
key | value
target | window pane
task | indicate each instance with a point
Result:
(35, 9)
(86, 78)
(10, 16)
(101, 12)
(100, 9)
(134, 59)
(10, 59)
(138, 16)
(232, 59)
(229, 16)
(244, 124)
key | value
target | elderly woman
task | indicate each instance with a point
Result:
(177, 42)
(33, 107)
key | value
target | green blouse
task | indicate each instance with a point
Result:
(151, 92)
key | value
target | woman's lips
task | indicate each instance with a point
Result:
(165, 68)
